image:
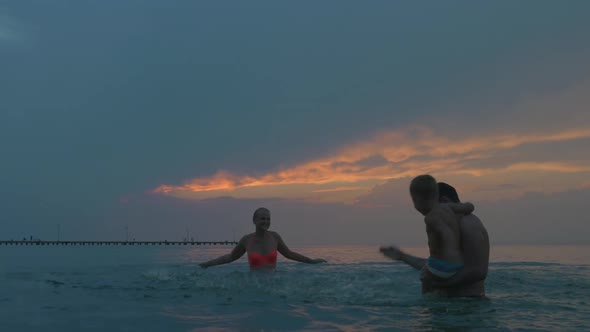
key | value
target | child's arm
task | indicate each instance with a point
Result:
(461, 208)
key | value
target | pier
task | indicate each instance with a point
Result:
(117, 243)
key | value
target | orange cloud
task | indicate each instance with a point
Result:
(336, 189)
(387, 155)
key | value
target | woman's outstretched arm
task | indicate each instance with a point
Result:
(285, 251)
(235, 254)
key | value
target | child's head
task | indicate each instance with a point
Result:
(424, 192)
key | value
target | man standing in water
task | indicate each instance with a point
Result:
(475, 248)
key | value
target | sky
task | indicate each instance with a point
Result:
(170, 119)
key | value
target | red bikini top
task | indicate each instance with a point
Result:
(257, 259)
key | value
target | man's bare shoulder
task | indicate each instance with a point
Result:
(473, 228)
(471, 221)
(441, 215)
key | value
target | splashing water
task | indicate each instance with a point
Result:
(139, 289)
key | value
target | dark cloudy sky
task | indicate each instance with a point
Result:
(166, 116)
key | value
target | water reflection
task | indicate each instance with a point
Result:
(457, 314)
(342, 254)
(358, 290)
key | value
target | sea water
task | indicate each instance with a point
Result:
(161, 288)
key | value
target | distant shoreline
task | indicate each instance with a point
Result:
(115, 243)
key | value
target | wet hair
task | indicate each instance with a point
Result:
(260, 211)
(446, 190)
(424, 187)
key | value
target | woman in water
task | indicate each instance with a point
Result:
(262, 247)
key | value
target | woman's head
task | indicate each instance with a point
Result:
(261, 218)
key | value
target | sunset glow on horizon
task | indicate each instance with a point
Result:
(195, 114)
(355, 169)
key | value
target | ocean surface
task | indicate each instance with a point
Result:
(161, 288)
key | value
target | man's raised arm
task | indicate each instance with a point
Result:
(397, 254)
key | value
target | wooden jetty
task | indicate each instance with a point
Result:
(116, 243)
